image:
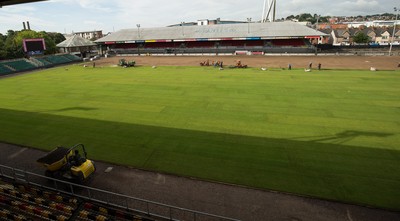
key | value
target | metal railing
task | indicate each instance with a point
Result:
(133, 204)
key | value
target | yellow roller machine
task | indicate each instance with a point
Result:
(70, 163)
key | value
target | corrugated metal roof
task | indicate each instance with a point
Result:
(75, 41)
(210, 32)
(14, 2)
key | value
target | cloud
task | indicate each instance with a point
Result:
(61, 1)
(359, 6)
(98, 5)
(335, 8)
(118, 14)
(158, 13)
(14, 22)
(18, 9)
(95, 23)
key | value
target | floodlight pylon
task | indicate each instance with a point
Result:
(269, 10)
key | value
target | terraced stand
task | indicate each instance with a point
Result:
(24, 202)
(21, 65)
(23, 196)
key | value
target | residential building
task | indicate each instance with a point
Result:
(381, 36)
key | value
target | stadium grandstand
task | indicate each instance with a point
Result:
(37, 62)
(26, 202)
(23, 197)
(241, 38)
(14, 2)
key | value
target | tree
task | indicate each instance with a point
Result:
(3, 37)
(11, 44)
(290, 17)
(50, 44)
(361, 37)
(10, 33)
(10, 47)
(3, 52)
(305, 17)
(57, 37)
(324, 19)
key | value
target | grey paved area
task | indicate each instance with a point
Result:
(220, 199)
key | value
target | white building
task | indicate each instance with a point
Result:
(376, 23)
(90, 35)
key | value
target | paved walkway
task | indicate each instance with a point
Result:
(220, 199)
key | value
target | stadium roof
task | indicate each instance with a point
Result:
(250, 31)
(75, 41)
(14, 2)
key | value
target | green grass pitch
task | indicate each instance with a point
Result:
(329, 134)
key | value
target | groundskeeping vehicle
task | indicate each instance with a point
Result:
(68, 163)
(124, 63)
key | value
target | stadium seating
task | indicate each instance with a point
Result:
(160, 45)
(102, 212)
(33, 204)
(299, 45)
(4, 70)
(43, 62)
(200, 44)
(8, 215)
(52, 60)
(72, 57)
(24, 202)
(19, 65)
(288, 42)
(255, 43)
(57, 59)
(237, 43)
(125, 46)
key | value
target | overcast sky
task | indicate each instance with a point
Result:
(108, 15)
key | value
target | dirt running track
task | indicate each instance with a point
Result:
(327, 62)
(220, 199)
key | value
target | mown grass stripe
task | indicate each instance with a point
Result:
(330, 134)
